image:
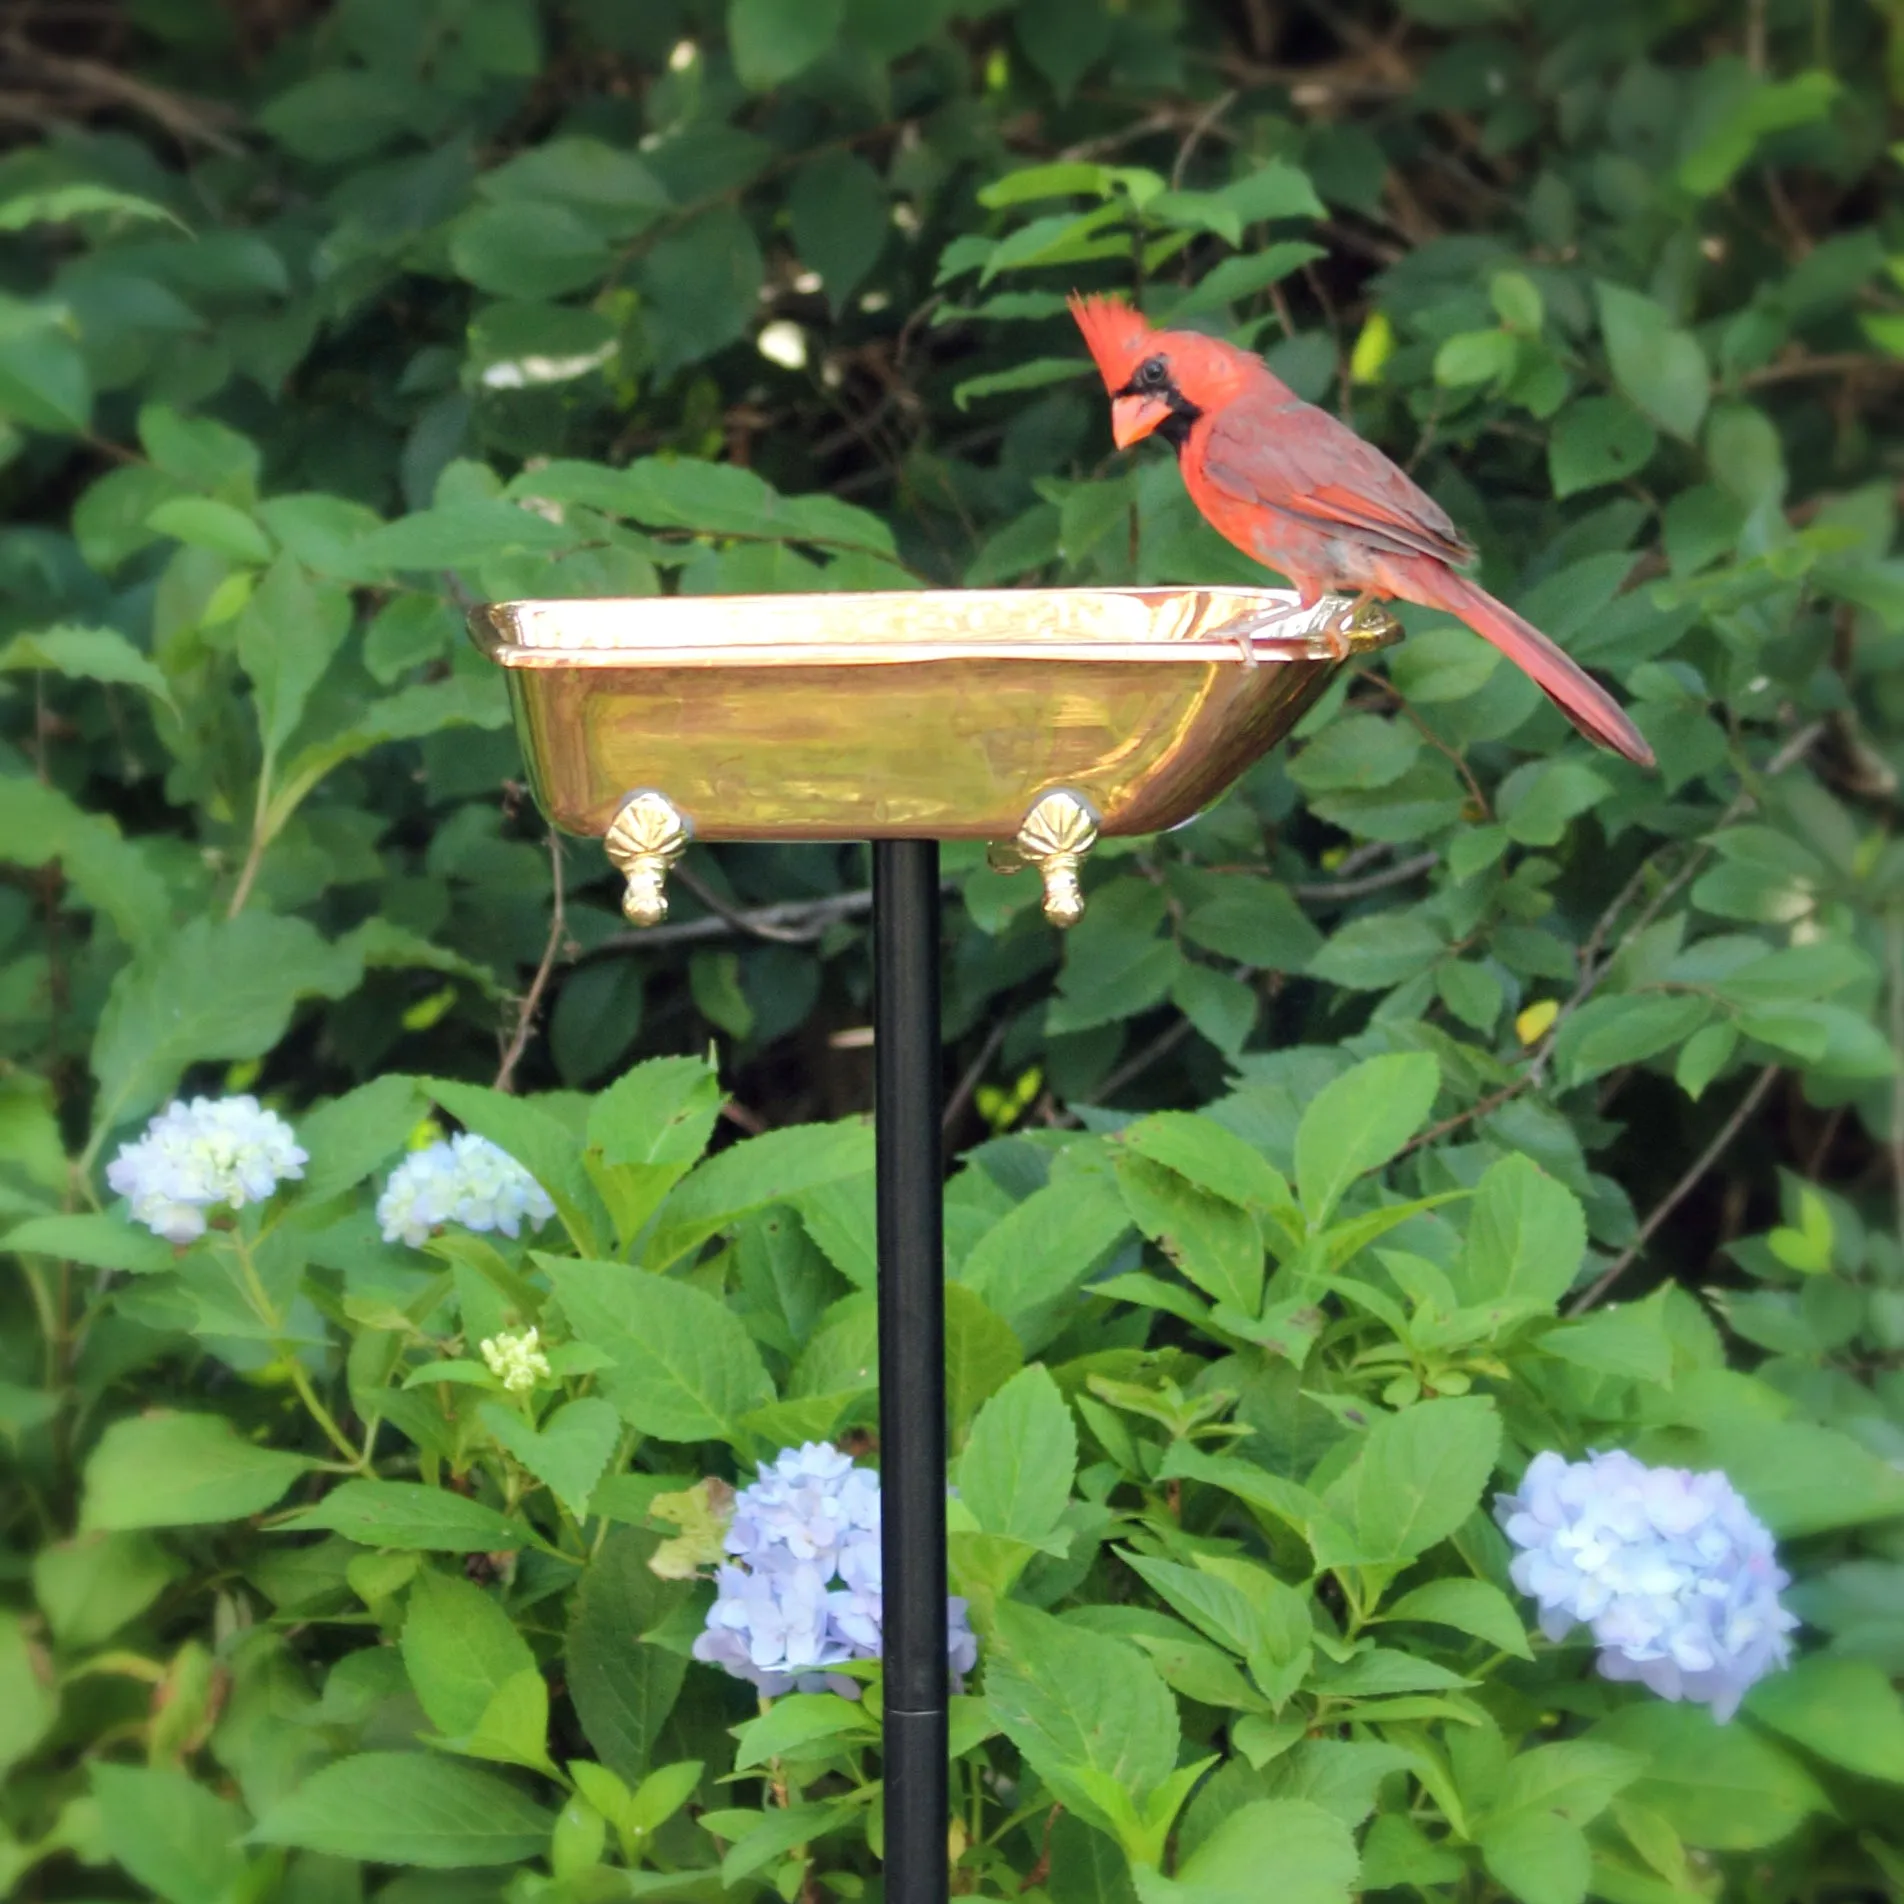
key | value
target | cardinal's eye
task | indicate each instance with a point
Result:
(1153, 374)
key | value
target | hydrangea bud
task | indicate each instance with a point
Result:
(193, 1157)
(802, 1593)
(1671, 1572)
(466, 1180)
(516, 1360)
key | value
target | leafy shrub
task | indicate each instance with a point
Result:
(1445, 1094)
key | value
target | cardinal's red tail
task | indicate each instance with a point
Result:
(1578, 696)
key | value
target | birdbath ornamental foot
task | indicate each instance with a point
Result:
(647, 835)
(1055, 837)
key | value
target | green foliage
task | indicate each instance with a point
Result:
(1446, 1092)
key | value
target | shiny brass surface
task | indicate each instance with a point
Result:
(643, 840)
(944, 714)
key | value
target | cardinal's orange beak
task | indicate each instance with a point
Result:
(1133, 418)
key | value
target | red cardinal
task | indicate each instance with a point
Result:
(1305, 495)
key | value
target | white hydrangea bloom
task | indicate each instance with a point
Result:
(516, 1360)
(193, 1157)
(467, 1180)
(1672, 1572)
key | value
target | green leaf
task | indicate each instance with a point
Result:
(1042, 1248)
(1216, 1245)
(1036, 373)
(1072, 1700)
(1527, 1235)
(1760, 107)
(1845, 1710)
(1538, 800)
(1801, 1478)
(459, 534)
(1282, 1848)
(459, 1649)
(982, 1354)
(86, 654)
(569, 1451)
(1015, 1473)
(1655, 363)
(1606, 1033)
(1257, 921)
(770, 1169)
(169, 1832)
(411, 1518)
(1598, 440)
(102, 869)
(1358, 751)
(288, 635)
(89, 1587)
(841, 219)
(799, 1720)
(1539, 1857)
(169, 1470)
(1211, 1156)
(29, 1694)
(61, 204)
(1357, 1122)
(1475, 357)
(772, 42)
(523, 243)
(683, 1367)
(623, 1684)
(1630, 1339)
(1274, 189)
(409, 1808)
(98, 1241)
(1370, 954)
(1223, 1009)
(200, 522)
(1721, 1788)
(1469, 1606)
(1416, 1478)
(44, 383)
(213, 989)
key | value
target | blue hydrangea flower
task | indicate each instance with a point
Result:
(192, 1157)
(1672, 1573)
(467, 1180)
(803, 1591)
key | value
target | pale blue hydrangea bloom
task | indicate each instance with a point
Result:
(803, 1592)
(192, 1157)
(467, 1180)
(1672, 1573)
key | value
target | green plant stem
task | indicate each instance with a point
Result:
(267, 1313)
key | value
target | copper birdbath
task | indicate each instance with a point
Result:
(1034, 718)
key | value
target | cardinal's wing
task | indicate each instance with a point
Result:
(1291, 457)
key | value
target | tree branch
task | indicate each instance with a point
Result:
(1721, 1143)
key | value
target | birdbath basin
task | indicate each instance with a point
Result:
(1036, 719)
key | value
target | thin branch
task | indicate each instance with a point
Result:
(1703, 1163)
(751, 924)
(1159, 1048)
(974, 1072)
(788, 922)
(1199, 127)
(532, 998)
(1322, 891)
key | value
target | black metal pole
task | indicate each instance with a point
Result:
(911, 1199)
